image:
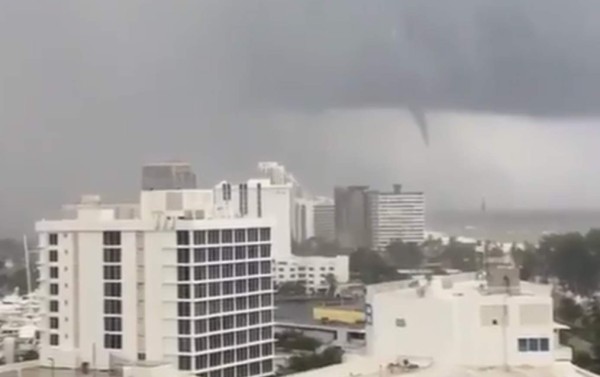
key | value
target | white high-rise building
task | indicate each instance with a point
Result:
(170, 279)
(324, 219)
(259, 198)
(396, 216)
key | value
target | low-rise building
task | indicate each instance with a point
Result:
(312, 271)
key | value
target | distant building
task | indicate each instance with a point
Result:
(312, 271)
(168, 176)
(171, 278)
(396, 216)
(324, 220)
(351, 217)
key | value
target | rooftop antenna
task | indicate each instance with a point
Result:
(27, 265)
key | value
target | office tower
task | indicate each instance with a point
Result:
(351, 217)
(396, 216)
(169, 279)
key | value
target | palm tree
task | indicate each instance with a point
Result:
(332, 284)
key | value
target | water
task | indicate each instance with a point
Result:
(514, 225)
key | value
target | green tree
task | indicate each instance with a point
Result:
(332, 284)
(405, 255)
(292, 288)
(371, 268)
(459, 256)
(571, 261)
(568, 310)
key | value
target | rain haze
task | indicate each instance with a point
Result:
(90, 91)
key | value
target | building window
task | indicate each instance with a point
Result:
(199, 255)
(265, 234)
(240, 252)
(241, 286)
(54, 339)
(112, 289)
(112, 272)
(267, 366)
(200, 290)
(241, 303)
(227, 236)
(266, 316)
(184, 345)
(54, 322)
(252, 235)
(241, 337)
(213, 237)
(213, 254)
(240, 269)
(185, 363)
(265, 251)
(200, 344)
(113, 324)
(183, 273)
(240, 235)
(214, 272)
(183, 237)
(227, 253)
(253, 268)
(253, 252)
(253, 285)
(201, 362)
(199, 273)
(267, 349)
(266, 300)
(266, 284)
(214, 289)
(255, 368)
(184, 309)
(214, 341)
(214, 306)
(228, 305)
(53, 304)
(112, 255)
(111, 238)
(200, 326)
(227, 286)
(112, 341)
(227, 270)
(265, 267)
(533, 344)
(241, 370)
(228, 322)
(54, 289)
(214, 324)
(53, 255)
(200, 237)
(183, 256)
(254, 318)
(184, 327)
(214, 359)
(183, 291)
(112, 307)
(241, 320)
(53, 239)
(53, 272)
(199, 308)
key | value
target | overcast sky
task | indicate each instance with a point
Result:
(90, 90)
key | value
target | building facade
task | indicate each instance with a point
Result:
(169, 279)
(351, 217)
(259, 198)
(312, 272)
(396, 216)
(324, 220)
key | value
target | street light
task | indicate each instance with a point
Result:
(51, 366)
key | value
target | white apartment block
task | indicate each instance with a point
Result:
(259, 198)
(169, 279)
(460, 325)
(312, 271)
(396, 216)
(314, 217)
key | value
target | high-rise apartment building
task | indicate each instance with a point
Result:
(351, 217)
(396, 216)
(170, 279)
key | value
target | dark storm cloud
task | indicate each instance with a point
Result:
(90, 90)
